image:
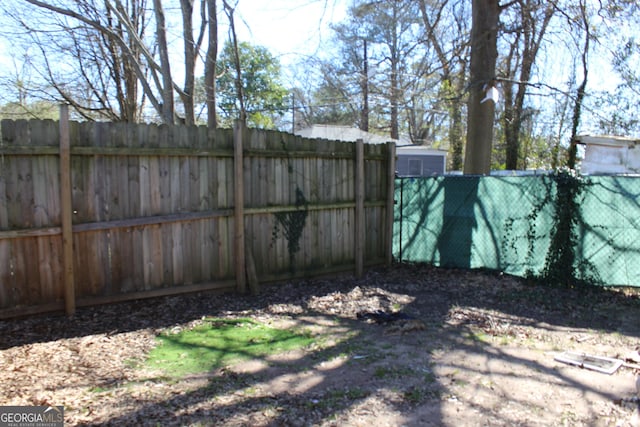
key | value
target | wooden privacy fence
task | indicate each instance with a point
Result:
(100, 212)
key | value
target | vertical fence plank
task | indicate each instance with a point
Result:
(205, 249)
(67, 211)
(391, 178)
(177, 253)
(7, 277)
(238, 200)
(359, 211)
(4, 167)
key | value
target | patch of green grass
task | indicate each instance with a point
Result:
(429, 377)
(416, 395)
(133, 363)
(505, 340)
(461, 383)
(478, 336)
(220, 342)
(349, 393)
(338, 398)
(393, 372)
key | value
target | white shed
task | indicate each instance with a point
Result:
(605, 154)
(418, 160)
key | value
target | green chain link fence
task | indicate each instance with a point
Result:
(559, 228)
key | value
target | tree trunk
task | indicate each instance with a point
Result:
(364, 115)
(395, 84)
(455, 135)
(165, 67)
(238, 68)
(577, 108)
(189, 61)
(395, 133)
(210, 64)
(484, 53)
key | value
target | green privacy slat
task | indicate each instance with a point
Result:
(507, 223)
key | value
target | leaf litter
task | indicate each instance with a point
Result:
(483, 357)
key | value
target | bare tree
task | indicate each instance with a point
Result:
(347, 77)
(451, 52)
(114, 29)
(167, 109)
(376, 64)
(192, 48)
(229, 10)
(583, 22)
(100, 79)
(393, 28)
(531, 20)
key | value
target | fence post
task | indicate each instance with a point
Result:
(238, 200)
(66, 212)
(391, 177)
(359, 212)
(401, 219)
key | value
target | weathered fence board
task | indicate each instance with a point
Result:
(153, 206)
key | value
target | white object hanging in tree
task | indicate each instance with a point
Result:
(491, 93)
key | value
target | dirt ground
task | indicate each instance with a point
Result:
(482, 355)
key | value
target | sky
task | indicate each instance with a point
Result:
(288, 28)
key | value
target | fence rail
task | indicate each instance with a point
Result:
(153, 211)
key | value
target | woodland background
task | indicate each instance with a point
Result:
(404, 69)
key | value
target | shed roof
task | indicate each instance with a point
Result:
(344, 133)
(421, 150)
(612, 140)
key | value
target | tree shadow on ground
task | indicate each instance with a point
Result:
(474, 360)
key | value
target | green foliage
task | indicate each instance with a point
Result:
(617, 107)
(560, 265)
(374, 56)
(416, 395)
(219, 342)
(29, 110)
(291, 224)
(265, 98)
(382, 372)
(332, 104)
(338, 398)
(618, 112)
